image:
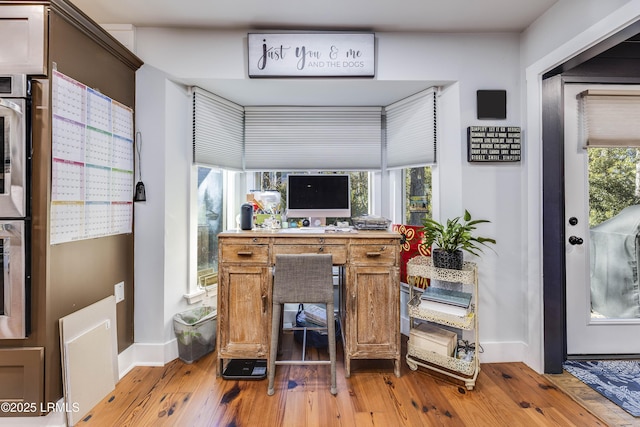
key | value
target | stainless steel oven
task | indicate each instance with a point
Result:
(14, 142)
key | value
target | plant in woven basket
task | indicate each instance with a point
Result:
(453, 237)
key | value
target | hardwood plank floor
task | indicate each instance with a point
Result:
(179, 394)
(606, 410)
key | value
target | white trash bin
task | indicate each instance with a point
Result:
(195, 331)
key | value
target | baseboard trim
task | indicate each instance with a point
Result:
(143, 354)
(503, 352)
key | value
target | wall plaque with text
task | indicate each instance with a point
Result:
(311, 54)
(494, 144)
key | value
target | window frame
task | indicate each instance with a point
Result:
(386, 185)
(232, 182)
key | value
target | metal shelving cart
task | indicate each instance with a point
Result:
(467, 371)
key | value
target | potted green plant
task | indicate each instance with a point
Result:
(448, 240)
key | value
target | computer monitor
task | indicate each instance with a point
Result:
(318, 196)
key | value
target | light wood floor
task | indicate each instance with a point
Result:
(593, 401)
(179, 394)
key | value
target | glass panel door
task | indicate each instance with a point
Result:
(602, 237)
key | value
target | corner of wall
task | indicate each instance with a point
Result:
(146, 355)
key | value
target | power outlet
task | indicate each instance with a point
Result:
(119, 292)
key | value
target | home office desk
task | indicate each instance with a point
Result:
(369, 307)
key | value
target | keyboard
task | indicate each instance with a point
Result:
(313, 230)
(303, 230)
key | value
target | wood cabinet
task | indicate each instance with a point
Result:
(369, 292)
(37, 37)
(21, 371)
(244, 300)
(371, 318)
(22, 39)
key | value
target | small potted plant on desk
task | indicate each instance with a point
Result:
(451, 238)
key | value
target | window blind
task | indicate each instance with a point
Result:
(411, 130)
(611, 118)
(313, 138)
(218, 131)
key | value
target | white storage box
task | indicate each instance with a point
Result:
(426, 336)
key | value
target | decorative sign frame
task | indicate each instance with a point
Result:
(494, 144)
(311, 54)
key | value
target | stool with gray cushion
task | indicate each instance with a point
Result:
(304, 278)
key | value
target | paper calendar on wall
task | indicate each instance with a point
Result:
(92, 165)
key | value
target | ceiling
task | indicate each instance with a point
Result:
(370, 15)
(330, 15)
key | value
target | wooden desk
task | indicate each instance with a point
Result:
(369, 299)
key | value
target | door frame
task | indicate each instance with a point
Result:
(553, 229)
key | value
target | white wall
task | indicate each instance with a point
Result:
(467, 62)
(563, 22)
(161, 222)
(506, 194)
(568, 28)
(149, 243)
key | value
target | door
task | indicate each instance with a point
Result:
(372, 303)
(602, 225)
(244, 314)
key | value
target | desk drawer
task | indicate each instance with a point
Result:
(245, 253)
(339, 252)
(374, 254)
(245, 240)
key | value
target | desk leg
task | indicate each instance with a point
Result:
(347, 366)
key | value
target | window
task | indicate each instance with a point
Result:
(265, 181)
(210, 222)
(242, 139)
(417, 203)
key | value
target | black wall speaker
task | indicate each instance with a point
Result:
(246, 216)
(491, 104)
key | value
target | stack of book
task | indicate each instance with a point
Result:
(447, 301)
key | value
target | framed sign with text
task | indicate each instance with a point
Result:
(494, 143)
(311, 54)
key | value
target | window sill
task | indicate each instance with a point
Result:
(201, 294)
(195, 297)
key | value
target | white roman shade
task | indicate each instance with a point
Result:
(411, 131)
(313, 138)
(218, 131)
(611, 118)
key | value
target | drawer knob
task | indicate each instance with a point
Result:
(321, 249)
(245, 253)
(373, 254)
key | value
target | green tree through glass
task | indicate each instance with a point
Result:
(613, 182)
